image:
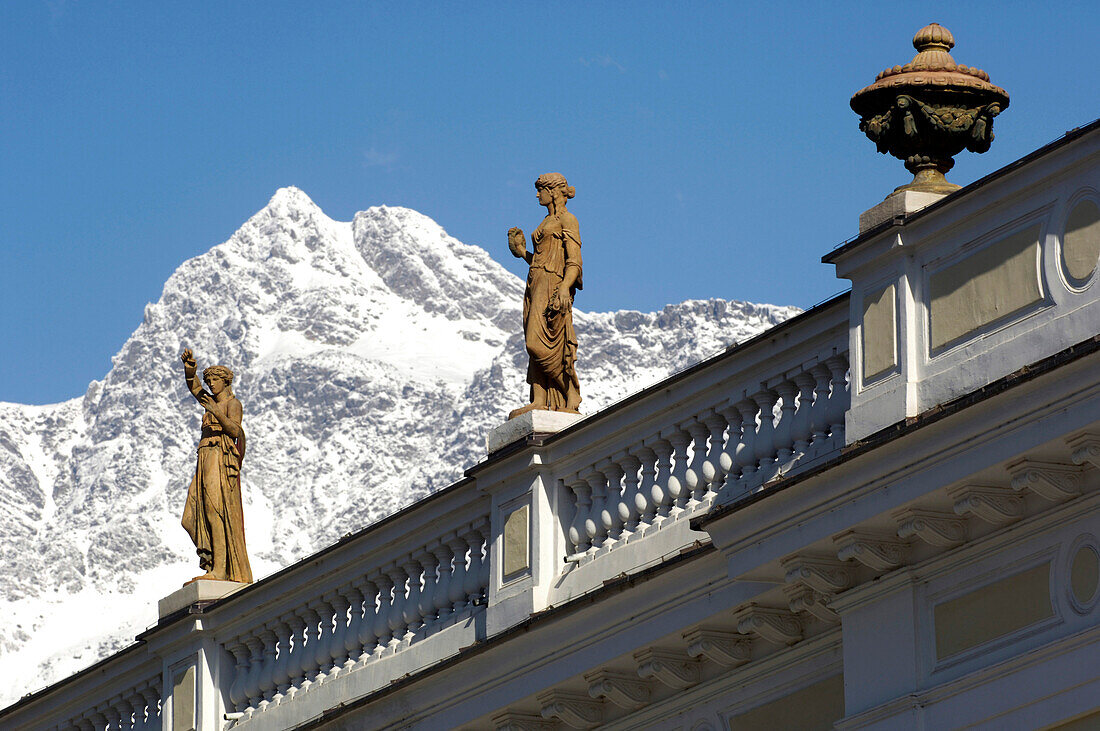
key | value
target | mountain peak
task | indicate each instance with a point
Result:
(372, 356)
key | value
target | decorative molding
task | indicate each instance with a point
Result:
(1085, 448)
(994, 505)
(674, 669)
(823, 574)
(881, 553)
(1051, 480)
(942, 530)
(516, 721)
(801, 598)
(728, 649)
(770, 623)
(622, 689)
(573, 709)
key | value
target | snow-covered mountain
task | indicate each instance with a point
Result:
(371, 358)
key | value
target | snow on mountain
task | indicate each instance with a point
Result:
(371, 358)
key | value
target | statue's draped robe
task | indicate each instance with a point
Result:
(215, 495)
(550, 339)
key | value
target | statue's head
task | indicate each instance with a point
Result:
(220, 373)
(556, 185)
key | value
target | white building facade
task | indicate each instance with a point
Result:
(882, 514)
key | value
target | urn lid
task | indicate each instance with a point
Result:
(931, 70)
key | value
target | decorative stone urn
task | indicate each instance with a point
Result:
(930, 110)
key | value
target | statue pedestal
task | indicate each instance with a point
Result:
(527, 424)
(898, 203)
(201, 590)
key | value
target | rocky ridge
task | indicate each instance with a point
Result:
(373, 356)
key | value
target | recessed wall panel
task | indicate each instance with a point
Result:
(992, 611)
(879, 339)
(986, 286)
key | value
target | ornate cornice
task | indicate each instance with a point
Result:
(823, 574)
(623, 689)
(1051, 480)
(943, 530)
(881, 553)
(728, 649)
(770, 623)
(801, 598)
(572, 709)
(1086, 449)
(515, 721)
(674, 669)
(994, 505)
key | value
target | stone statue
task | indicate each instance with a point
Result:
(213, 515)
(554, 277)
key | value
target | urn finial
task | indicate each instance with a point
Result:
(930, 110)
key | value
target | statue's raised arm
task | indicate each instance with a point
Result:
(213, 515)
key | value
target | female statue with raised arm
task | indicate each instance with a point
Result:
(553, 279)
(213, 515)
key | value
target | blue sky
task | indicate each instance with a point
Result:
(711, 145)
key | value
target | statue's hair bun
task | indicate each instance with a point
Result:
(570, 191)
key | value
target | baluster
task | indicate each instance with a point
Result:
(647, 506)
(312, 634)
(410, 610)
(457, 593)
(396, 619)
(283, 669)
(151, 693)
(784, 429)
(483, 572)
(661, 498)
(629, 508)
(126, 709)
(267, 675)
(240, 676)
(711, 471)
(99, 721)
(112, 713)
(746, 450)
(84, 723)
(615, 503)
(324, 612)
(367, 637)
(765, 433)
(255, 667)
(472, 585)
(819, 415)
(300, 655)
(442, 600)
(802, 424)
(609, 509)
(382, 629)
(693, 477)
(838, 398)
(578, 534)
(355, 625)
(336, 652)
(428, 614)
(731, 470)
(678, 490)
(593, 525)
(136, 705)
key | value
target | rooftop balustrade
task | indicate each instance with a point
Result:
(418, 587)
